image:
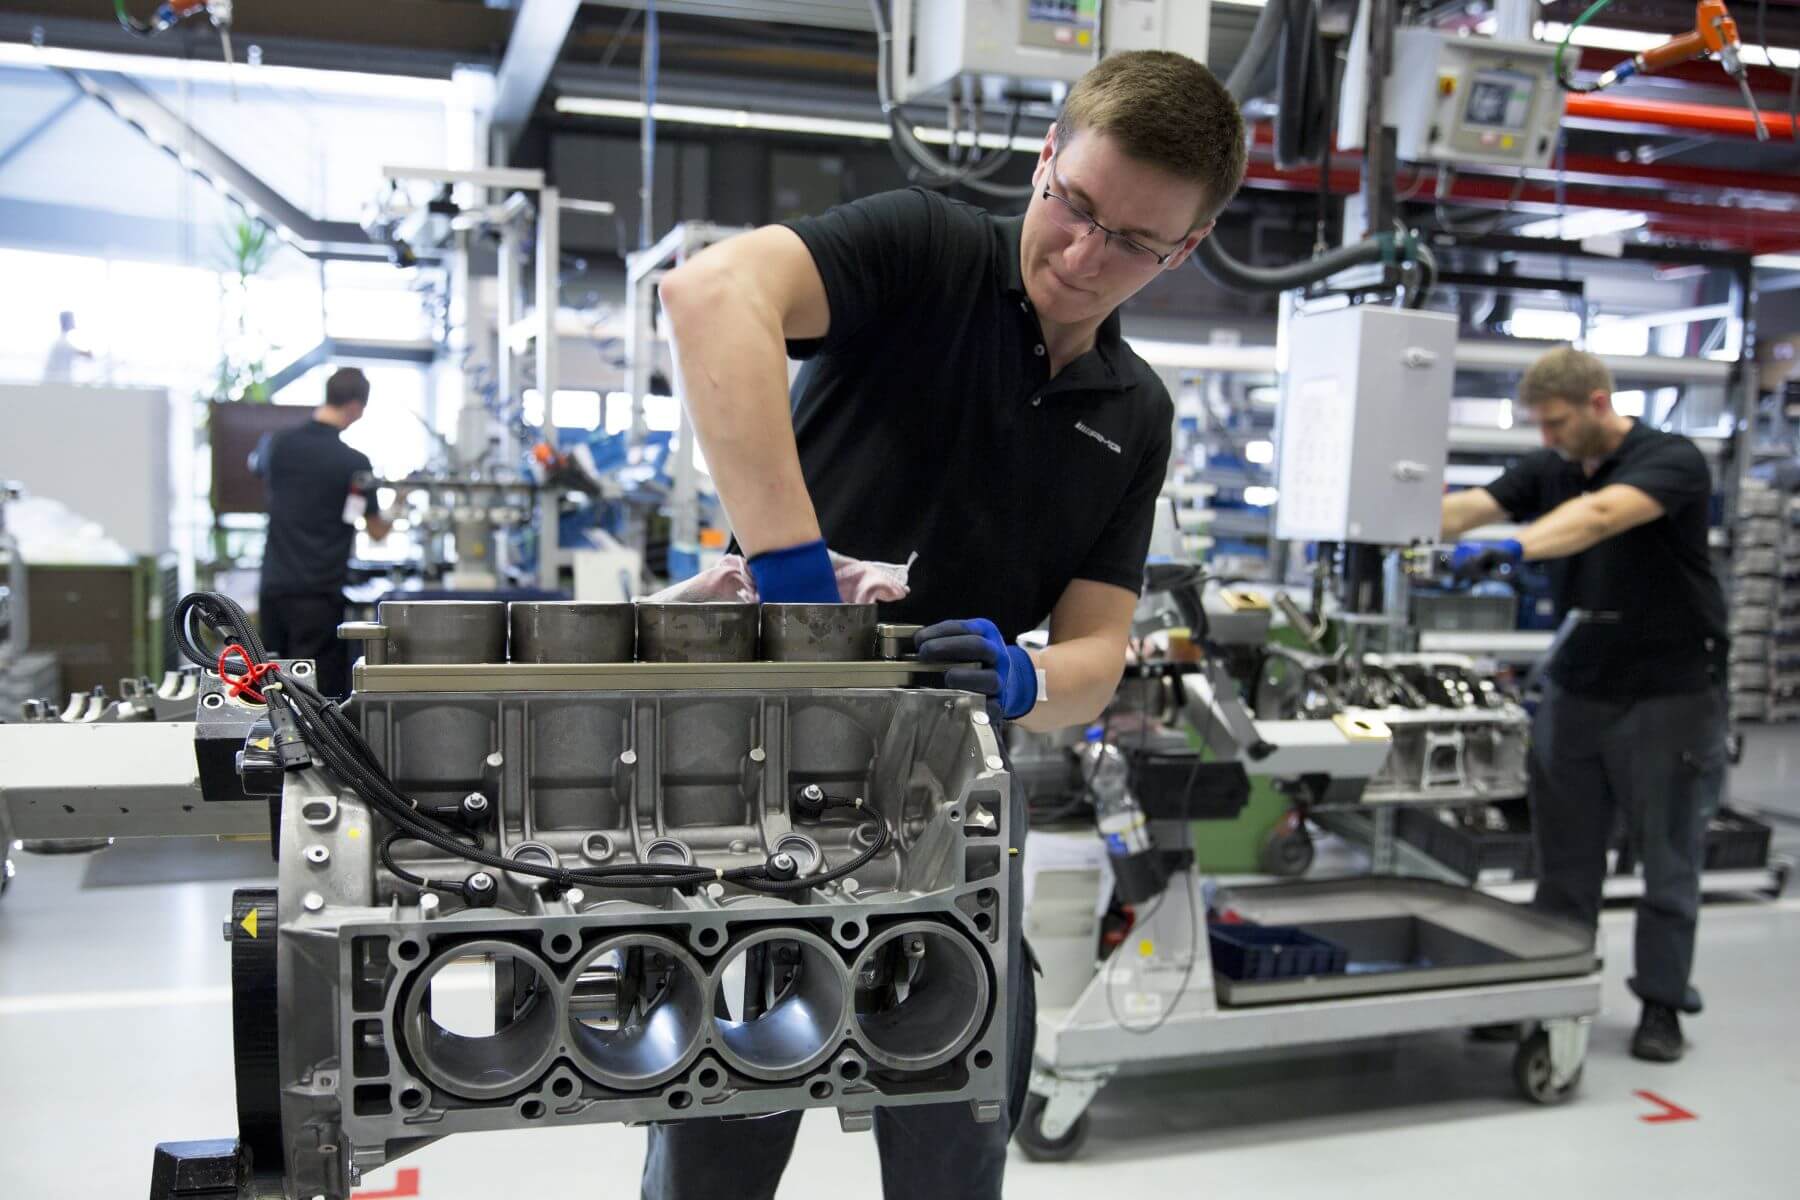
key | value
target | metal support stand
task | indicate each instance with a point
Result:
(1382, 859)
(210, 1170)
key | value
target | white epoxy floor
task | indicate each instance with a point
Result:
(115, 1034)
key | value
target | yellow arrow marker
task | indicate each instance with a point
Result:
(248, 924)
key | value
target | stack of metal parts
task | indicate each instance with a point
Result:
(1457, 735)
(642, 737)
(1765, 606)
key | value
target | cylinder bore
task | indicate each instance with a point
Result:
(818, 632)
(445, 631)
(921, 995)
(481, 1019)
(571, 631)
(637, 1008)
(782, 1000)
(696, 633)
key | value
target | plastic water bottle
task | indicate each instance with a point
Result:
(1137, 868)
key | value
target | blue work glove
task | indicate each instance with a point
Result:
(1005, 673)
(797, 575)
(1474, 561)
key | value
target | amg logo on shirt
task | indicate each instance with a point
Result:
(1099, 437)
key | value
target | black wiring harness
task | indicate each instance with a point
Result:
(333, 739)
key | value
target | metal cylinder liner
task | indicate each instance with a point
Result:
(696, 633)
(637, 1008)
(921, 995)
(515, 1055)
(571, 631)
(792, 996)
(444, 631)
(818, 632)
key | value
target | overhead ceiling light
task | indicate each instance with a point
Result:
(1588, 223)
(741, 118)
(146, 66)
(1777, 262)
(724, 118)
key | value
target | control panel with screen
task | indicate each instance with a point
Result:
(1499, 100)
(1061, 24)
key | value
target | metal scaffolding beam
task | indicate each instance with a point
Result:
(315, 238)
(537, 40)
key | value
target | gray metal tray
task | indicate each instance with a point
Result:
(1407, 935)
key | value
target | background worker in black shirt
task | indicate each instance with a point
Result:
(314, 504)
(1633, 716)
(966, 395)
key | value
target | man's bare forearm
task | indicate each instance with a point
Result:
(1081, 676)
(1569, 528)
(731, 359)
(1468, 509)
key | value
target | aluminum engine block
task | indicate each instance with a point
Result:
(407, 1016)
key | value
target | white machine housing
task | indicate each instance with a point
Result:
(1364, 426)
(1473, 100)
(1033, 41)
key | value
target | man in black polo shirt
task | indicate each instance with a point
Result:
(1633, 714)
(967, 396)
(314, 504)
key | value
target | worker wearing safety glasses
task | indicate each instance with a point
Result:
(967, 396)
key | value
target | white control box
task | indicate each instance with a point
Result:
(1033, 42)
(1363, 431)
(1183, 26)
(1457, 100)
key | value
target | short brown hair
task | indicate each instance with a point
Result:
(346, 386)
(1565, 374)
(1166, 110)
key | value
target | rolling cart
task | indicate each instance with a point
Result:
(1419, 956)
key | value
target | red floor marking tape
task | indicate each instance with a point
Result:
(1670, 1112)
(406, 1185)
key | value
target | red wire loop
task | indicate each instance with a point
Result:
(245, 684)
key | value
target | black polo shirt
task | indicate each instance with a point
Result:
(309, 472)
(1671, 631)
(927, 419)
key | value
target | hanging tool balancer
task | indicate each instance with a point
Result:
(1714, 32)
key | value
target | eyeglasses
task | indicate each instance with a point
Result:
(1081, 223)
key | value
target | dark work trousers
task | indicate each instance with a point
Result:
(305, 626)
(1659, 761)
(928, 1151)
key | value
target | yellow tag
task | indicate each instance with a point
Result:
(1146, 948)
(248, 924)
(1362, 729)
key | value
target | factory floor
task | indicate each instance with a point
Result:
(115, 1034)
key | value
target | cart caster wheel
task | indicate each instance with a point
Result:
(1287, 852)
(1039, 1148)
(1531, 1072)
